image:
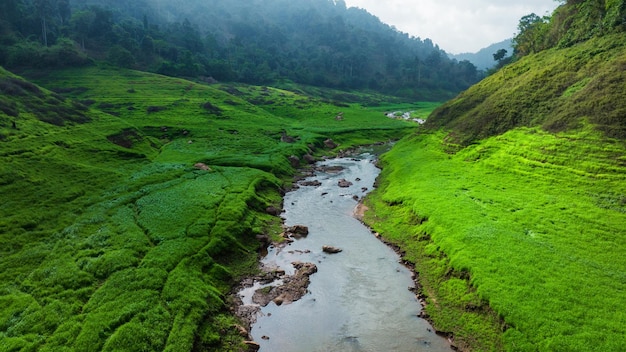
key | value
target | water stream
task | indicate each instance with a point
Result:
(359, 299)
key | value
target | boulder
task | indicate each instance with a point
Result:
(300, 230)
(331, 249)
(241, 330)
(294, 161)
(309, 159)
(314, 183)
(292, 289)
(335, 169)
(279, 300)
(272, 210)
(344, 183)
(252, 346)
(201, 166)
(330, 144)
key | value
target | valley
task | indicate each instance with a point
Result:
(145, 159)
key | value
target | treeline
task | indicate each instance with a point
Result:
(573, 22)
(316, 42)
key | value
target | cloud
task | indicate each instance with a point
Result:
(456, 25)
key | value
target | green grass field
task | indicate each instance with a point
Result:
(519, 240)
(110, 238)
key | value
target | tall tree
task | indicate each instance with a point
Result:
(531, 29)
(65, 10)
(9, 10)
(44, 9)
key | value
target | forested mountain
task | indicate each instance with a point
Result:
(316, 42)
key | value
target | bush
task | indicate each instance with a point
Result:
(121, 57)
(9, 107)
(30, 54)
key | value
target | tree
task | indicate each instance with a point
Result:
(9, 10)
(499, 55)
(532, 29)
(121, 57)
(81, 22)
(43, 9)
(65, 10)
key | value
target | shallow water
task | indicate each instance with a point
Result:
(359, 299)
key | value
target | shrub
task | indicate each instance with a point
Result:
(152, 109)
(121, 57)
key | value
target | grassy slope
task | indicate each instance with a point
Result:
(110, 239)
(519, 233)
(556, 89)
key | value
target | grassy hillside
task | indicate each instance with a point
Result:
(512, 201)
(112, 236)
(529, 224)
(557, 89)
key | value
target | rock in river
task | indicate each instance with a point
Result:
(331, 249)
(292, 289)
(344, 183)
(297, 231)
(314, 183)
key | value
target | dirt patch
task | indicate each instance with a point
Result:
(126, 138)
(359, 211)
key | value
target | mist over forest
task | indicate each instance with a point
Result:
(314, 42)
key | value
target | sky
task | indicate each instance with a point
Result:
(457, 26)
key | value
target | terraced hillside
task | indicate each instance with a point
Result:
(519, 240)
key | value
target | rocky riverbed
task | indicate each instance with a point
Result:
(332, 285)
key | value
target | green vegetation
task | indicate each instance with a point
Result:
(558, 89)
(533, 221)
(512, 201)
(130, 202)
(573, 22)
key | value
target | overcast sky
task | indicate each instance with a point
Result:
(457, 26)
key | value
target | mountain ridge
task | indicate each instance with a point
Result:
(483, 59)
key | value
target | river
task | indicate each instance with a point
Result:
(359, 299)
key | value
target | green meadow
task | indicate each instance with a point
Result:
(519, 240)
(111, 237)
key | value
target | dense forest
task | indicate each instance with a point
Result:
(314, 42)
